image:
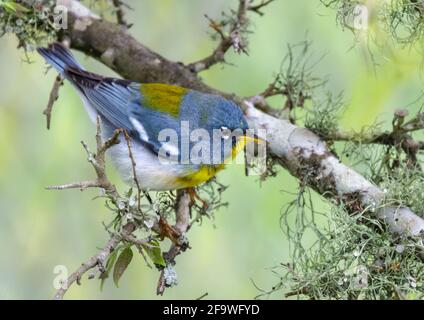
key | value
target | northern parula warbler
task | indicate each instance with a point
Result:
(147, 111)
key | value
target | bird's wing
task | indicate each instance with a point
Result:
(109, 96)
(149, 111)
(144, 110)
(155, 114)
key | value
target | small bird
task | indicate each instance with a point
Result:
(147, 110)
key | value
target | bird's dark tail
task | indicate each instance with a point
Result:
(59, 57)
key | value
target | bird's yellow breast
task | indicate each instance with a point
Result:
(207, 172)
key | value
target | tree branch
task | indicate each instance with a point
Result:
(182, 223)
(231, 39)
(98, 260)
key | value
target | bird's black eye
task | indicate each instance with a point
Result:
(225, 133)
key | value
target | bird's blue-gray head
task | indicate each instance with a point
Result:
(217, 116)
(211, 112)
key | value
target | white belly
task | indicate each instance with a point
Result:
(152, 174)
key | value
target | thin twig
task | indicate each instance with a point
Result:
(257, 8)
(131, 239)
(400, 137)
(82, 185)
(134, 171)
(54, 95)
(182, 213)
(120, 14)
(143, 254)
(203, 296)
(232, 39)
(97, 160)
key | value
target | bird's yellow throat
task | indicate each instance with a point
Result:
(207, 172)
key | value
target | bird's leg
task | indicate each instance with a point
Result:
(168, 231)
(194, 196)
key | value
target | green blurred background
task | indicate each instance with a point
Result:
(40, 229)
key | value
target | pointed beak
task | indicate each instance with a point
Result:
(254, 139)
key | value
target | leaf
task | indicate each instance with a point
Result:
(109, 265)
(14, 7)
(129, 193)
(121, 264)
(155, 253)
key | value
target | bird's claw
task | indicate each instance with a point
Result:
(168, 231)
(194, 196)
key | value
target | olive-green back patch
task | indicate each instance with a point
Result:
(163, 97)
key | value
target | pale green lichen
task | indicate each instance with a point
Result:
(403, 20)
(336, 255)
(32, 22)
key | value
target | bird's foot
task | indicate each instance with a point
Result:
(194, 196)
(168, 231)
